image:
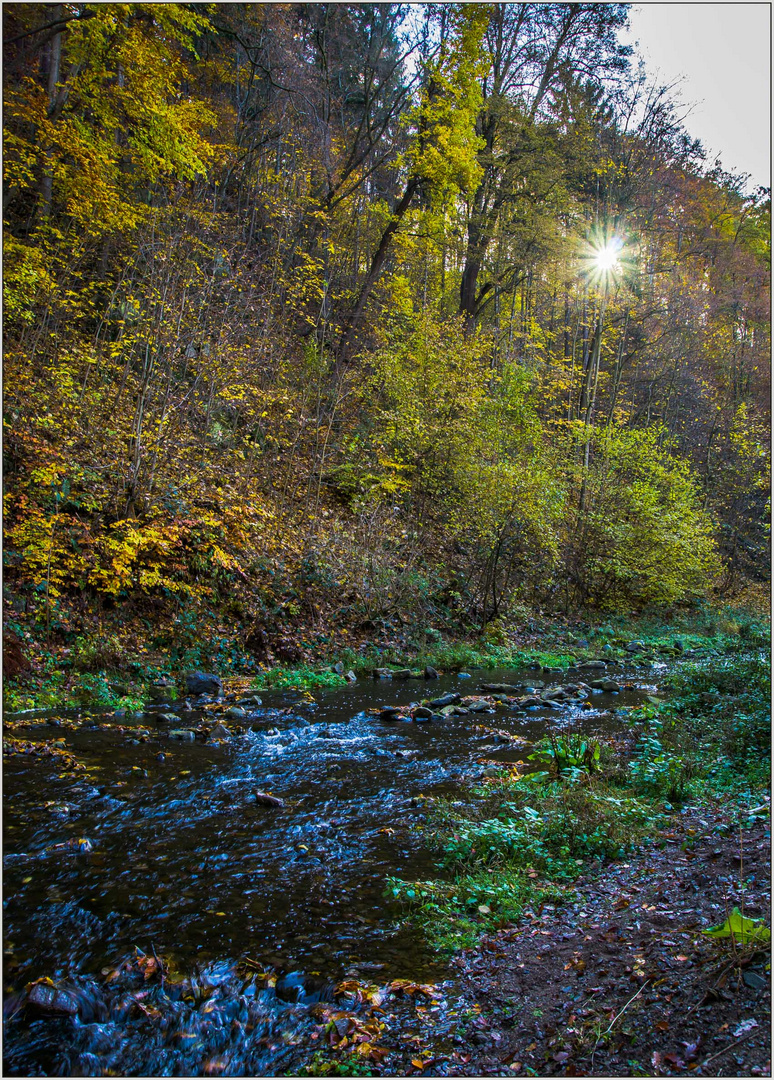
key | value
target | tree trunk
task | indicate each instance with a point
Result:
(352, 322)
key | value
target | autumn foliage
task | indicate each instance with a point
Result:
(298, 327)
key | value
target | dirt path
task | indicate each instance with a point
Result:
(622, 982)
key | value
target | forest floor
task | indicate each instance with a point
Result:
(623, 982)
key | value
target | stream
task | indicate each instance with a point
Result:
(259, 911)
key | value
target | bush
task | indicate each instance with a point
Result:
(643, 538)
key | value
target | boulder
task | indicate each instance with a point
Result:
(183, 734)
(421, 712)
(498, 687)
(220, 731)
(235, 713)
(390, 712)
(161, 694)
(558, 694)
(200, 682)
(382, 673)
(478, 705)
(611, 686)
(350, 676)
(635, 647)
(527, 702)
(403, 673)
(445, 699)
(431, 673)
(45, 996)
(593, 665)
(167, 718)
(264, 799)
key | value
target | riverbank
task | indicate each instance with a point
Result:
(578, 904)
(126, 666)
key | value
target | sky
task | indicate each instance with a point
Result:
(723, 54)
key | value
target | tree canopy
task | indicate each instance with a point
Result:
(298, 302)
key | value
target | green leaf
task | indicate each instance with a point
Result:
(741, 928)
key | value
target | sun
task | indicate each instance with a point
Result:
(607, 258)
(604, 258)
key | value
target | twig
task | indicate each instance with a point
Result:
(615, 1019)
(159, 965)
(253, 963)
(729, 1047)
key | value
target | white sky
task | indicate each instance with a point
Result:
(724, 53)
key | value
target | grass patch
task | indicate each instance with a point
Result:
(515, 844)
(302, 678)
(718, 718)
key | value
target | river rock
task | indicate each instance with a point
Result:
(635, 647)
(45, 996)
(593, 665)
(220, 731)
(498, 687)
(183, 734)
(264, 799)
(235, 713)
(403, 673)
(558, 694)
(611, 686)
(382, 673)
(200, 682)
(445, 699)
(527, 702)
(431, 673)
(350, 676)
(390, 712)
(167, 718)
(251, 702)
(162, 692)
(477, 705)
(422, 713)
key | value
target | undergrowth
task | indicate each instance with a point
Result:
(515, 844)
(521, 838)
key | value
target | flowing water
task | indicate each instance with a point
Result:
(184, 864)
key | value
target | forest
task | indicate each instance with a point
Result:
(305, 319)
(378, 338)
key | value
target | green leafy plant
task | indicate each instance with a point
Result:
(739, 928)
(656, 771)
(569, 757)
